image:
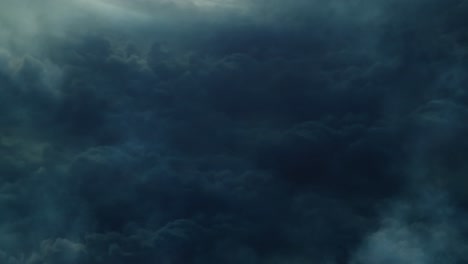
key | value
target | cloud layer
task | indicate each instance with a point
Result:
(233, 131)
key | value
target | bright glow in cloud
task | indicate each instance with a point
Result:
(220, 4)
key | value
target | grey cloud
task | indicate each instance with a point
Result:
(419, 230)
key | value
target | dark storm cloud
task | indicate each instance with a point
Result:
(232, 132)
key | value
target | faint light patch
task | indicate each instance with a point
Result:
(112, 9)
(33, 74)
(220, 4)
(153, 8)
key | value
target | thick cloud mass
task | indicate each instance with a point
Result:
(219, 131)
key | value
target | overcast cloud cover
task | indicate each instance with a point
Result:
(233, 131)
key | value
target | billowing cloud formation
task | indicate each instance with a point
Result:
(233, 131)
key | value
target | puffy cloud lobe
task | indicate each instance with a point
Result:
(419, 230)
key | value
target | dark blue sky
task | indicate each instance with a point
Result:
(222, 131)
